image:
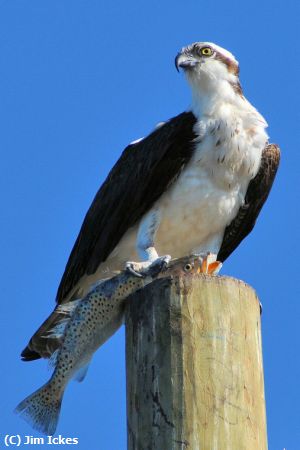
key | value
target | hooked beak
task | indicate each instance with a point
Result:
(185, 61)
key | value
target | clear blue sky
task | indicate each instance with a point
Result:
(78, 81)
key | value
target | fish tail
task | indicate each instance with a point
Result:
(41, 409)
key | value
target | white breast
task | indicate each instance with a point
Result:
(195, 211)
(209, 192)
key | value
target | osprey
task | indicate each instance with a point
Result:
(196, 184)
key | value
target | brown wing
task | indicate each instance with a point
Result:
(257, 193)
(143, 172)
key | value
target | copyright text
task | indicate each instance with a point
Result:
(17, 440)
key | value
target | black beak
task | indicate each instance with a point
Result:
(185, 61)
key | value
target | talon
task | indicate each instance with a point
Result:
(148, 268)
(136, 268)
(157, 266)
(160, 263)
(129, 268)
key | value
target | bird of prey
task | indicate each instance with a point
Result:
(196, 184)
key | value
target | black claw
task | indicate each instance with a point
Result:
(131, 270)
(157, 267)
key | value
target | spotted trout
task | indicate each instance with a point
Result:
(91, 321)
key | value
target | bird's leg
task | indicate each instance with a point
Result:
(208, 263)
(152, 270)
(145, 244)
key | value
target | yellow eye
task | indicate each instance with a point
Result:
(206, 51)
(188, 267)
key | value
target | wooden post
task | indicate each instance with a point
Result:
(194, 366)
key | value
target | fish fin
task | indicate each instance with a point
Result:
(53, 359)
(81, 373)
(41, 409)
(58, 330)
(68, 308)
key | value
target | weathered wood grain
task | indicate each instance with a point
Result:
(194, 366)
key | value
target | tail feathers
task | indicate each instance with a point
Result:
(41, 409)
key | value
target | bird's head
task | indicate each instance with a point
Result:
(209, 67)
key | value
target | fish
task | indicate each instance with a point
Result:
(89, 323)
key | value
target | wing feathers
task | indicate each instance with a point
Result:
(256, 195)
(143, 172)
